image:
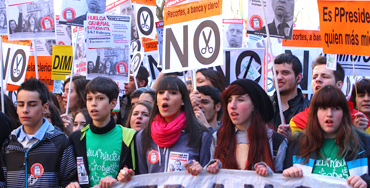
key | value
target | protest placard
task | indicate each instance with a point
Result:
(125, 7)
(159, 26)
(112, 62)
(74, 12)
(80, 56)
(146, 18)
(192, 36)
(231, 178)
(15, 56)
(345, 26)
(108, 31)
(31, 19)
(3, 19)
(62, 62)
(44, 47)
(279, 18)
(63, 33)
(233, 33)
(304, 38)
(44, 68)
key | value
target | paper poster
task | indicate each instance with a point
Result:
(31, 19)
(44, 47)
(233, 33)
(3, 19)
(160, 26)
(279, 18)
(176, 161)
(74, 12)
(80, 56)
(63, 33)
(125, 7)
(136, 62)
(15, 56)
(113, 63)
(146, 18)
(108, 31)
(44, 70)
(192, 36)
(62, 62)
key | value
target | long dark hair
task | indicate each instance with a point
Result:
(194, 128)
(80, 83)
(259, 148)
(312, 137)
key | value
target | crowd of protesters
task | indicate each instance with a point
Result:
(213, 127)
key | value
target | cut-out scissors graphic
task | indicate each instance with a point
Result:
(206, 40)
(144, 25)
(16, 70)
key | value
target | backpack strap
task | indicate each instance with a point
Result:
(277, 139)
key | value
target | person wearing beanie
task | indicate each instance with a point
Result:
(244, 140)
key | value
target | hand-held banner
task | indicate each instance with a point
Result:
(231, 178)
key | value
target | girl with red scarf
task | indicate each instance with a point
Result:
(174, 136)
(244, 141)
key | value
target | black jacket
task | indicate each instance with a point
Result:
(54, 153)
(78, 139)
(296, 105)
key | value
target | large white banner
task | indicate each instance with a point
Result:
(230, 178)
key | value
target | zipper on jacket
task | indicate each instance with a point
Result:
(25, 163)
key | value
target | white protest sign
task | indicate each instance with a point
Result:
(192, 36)
(63, 33)
(74, 12)
(3, 20)
(31, 19)
(243, 63)
(136, 62)
(279, 17)
(230, 178)
(146, 18)
(15, 56)
(108, 31)
(80, 57)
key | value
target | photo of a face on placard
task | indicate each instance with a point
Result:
(74, 12)
(30, 20)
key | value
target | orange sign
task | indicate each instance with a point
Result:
(304, 38)
(150, 46)
(145, 2)
(192, 11)
(44, 66)
(345, 26)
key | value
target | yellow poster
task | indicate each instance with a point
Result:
(62, 62)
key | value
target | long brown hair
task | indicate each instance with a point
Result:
(259, 148)
(312, 137)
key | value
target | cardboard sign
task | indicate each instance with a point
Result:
(62, 62)
(44, 68)
(345, 27)
(192, 36)
(15, 56)
(304, 38)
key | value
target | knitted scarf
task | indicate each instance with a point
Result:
(166, 134)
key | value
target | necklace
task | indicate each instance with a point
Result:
(327, 156)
